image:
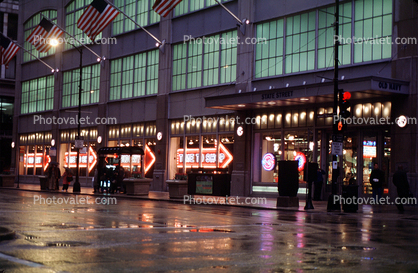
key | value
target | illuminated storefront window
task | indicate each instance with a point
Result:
(88, 154)
(200, 143)
(34, 155)
(138, 135)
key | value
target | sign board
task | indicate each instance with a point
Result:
(79, 143)
(204, 184)
(53, 151)
(208, 157)
(85, 160)
(337, 148)
(268, 162)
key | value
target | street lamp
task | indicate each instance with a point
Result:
(78, 140)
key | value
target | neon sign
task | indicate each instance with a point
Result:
(208, 158)
(268, 162)
(71, 162)
(149, 159)
(31, 160)
(301, 159)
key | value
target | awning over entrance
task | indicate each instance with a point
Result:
(121, 150)
(360, 89)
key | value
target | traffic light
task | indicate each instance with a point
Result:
(345, 108)
(345, 104)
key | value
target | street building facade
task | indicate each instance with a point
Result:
(8, 27)
(221, 96)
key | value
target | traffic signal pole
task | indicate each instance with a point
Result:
(335, 171)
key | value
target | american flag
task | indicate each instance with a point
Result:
(8, 50)
(96, 17)
(163, 7)
(42, 35)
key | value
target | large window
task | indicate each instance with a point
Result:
(140, 10)
(212, 59)
(134, 135)
(309, 42)
(300, 42)
(134, 76)
(187, 6)
(326, 35)
(201, 143)
(88, 157)
(373, 21)
(28, 27)
(37, 95)
(269, 55)
(72, 13)
(34, 153)
(90, 86)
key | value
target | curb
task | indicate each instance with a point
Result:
(178, 201)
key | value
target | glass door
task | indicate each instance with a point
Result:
(369, 158)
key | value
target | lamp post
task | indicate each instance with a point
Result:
(76, 186)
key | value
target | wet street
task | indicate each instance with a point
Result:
(160, 236)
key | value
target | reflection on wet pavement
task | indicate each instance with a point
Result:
(142, 235)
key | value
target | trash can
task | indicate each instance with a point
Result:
(350, 197)
(43, 181)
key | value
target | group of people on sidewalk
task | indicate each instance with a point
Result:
(115, 177)
(54, 175)
(377, 178)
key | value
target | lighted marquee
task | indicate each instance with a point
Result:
(301, 159)
(208, 158)
(71, 161)
(149, 159)
(31, 160)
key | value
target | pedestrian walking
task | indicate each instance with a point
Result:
(96, 180)
(400, 180)
(54, 175)
(318, 184)
(377, 177)
(67, 178)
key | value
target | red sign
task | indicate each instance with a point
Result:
(149, 159)
(208, 157)
(71, 162)
(301, 159)
(268, 162)
(30, 160)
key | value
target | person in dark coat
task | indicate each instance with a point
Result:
(114, 180)
(400, 180)
(377, 177)
(54, 175)
(318, 184)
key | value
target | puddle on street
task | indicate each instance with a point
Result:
(61, 225)
(66, 244)
(366, 248)
(31, 237)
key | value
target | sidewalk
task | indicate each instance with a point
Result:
(264, 203)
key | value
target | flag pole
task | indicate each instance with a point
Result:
(230, 12)
(27, 51)
(138, 25)
(241, 23)
(89, 49)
